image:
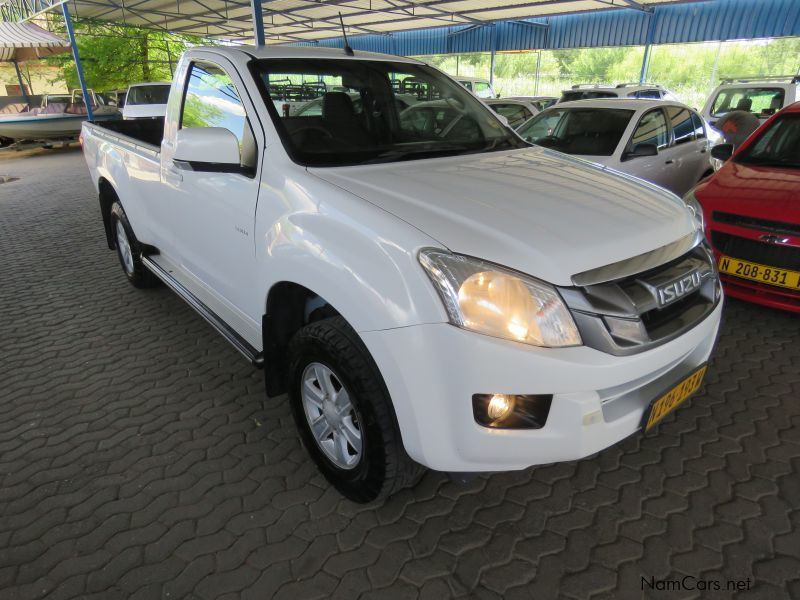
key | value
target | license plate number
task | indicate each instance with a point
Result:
(761, 273)
(674, 397)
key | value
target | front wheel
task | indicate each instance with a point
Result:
(129, 251)
(344, 413)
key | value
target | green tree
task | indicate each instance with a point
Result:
(115, 56)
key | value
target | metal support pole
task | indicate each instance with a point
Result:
(77, 57)
(23, 91)
(492, 56)
(538, 67)
(651, 31)
(258, 22)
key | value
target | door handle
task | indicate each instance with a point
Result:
(669, 162)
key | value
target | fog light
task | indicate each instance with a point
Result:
(500, 406)
(511, 411)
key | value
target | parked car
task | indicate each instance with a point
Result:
(540, 102)
(663, 142)
(482, 88)
(145, 101)
(515, 111)
(455, 299)
(762, 97)
(751, 209)
(622, 90)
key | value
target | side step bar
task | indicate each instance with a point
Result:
(238, 342)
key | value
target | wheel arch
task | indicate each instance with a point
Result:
(107, 196)
(289, 307)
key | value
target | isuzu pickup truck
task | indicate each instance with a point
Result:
(428, 288)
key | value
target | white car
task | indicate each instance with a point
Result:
(622, 90)
(146, 101)
(762, 97)
(515, 111)
(663, 142)
(540, 102)
(482, 88)
(454, 298)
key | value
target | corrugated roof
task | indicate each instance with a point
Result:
(312, 20)
(26, 41)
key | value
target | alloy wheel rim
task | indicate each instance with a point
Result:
(331, 416)
(124, 248)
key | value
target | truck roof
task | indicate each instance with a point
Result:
(299, 52)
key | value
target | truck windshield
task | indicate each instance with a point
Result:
(587, 131)
(148, 94)
(372, 111)
(777, 146)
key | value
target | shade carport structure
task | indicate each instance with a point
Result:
(20, 42)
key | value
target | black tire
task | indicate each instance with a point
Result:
(383, 466)
(135, 271)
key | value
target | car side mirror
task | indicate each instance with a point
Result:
(640, 150)
(722, 151)
(207, 149)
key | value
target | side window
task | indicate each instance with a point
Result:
(515, 113)
(466, 84)
(682, 126)
(699, 127)
(211, 101)
(652, 129)
(649, 94)
(482, 88)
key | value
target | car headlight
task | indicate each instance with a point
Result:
(695, 209)
(486, 298)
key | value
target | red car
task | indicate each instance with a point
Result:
(751, 213)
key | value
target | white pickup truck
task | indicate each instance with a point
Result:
(428, 293)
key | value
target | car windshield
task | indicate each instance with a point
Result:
(372, 111)
(585, 131)
(148, 94)
(777, 146)
(762, 101)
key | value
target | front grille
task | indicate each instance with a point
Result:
(755, 223)
(772, 255)
(628, 315)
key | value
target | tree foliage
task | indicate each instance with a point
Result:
(115, 56)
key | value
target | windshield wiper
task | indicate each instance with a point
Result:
(769, 162)
(399, 154)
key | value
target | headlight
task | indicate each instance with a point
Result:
(695, 209)
(490, 299)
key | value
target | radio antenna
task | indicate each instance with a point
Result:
(347, 49)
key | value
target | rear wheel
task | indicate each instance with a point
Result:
(129, 250)
(344, 413)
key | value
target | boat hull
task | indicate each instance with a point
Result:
(46, 127)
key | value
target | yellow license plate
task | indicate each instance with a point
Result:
(761, 273)
(670, 401)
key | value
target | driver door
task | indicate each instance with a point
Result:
(210, 214)
(651, 129)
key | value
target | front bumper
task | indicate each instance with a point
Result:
(433, 370)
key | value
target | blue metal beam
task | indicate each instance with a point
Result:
(76, 55)
(258, 22)
(648, 45)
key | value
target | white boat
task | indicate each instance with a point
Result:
(59, 118)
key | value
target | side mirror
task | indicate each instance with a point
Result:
(641, 150)
(722, 152)
(207, 149)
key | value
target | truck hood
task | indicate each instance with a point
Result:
(534, 210)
